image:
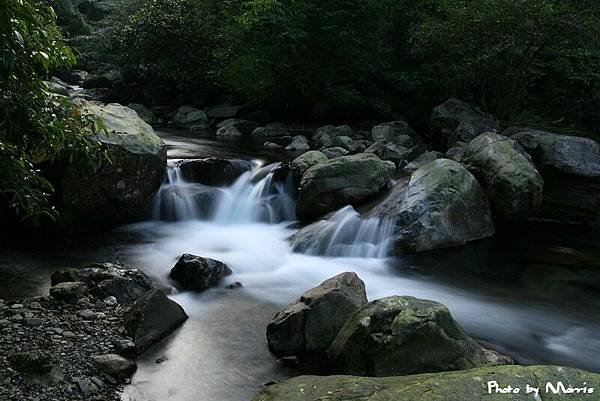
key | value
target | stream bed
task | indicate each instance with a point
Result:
(532, 291)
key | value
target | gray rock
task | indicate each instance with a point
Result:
(144, 113)
(346, 142)
(299, 143)
(197, 273)
(312, 322)
(271, 131)
(455, 121)
(397, 132)
(332, 153)
(341, 181)
(114, 366)
(510, 179)
(570, 167)
(125, 347)
(69, 291)
(272, 146)
(244, 127)
(402, 336)
(152, 317)
(118, 191)
(306, 161)
(191, 118)
(441, 206)
(107, 279)
(422, 160)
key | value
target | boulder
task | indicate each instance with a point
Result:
(441, 206)
(341, 181)
(191, 118)
(347, 143)
(213, 171)
(463, 385)
(324, 136)
(398, 132)
(401, 336)
(152, 317)
(313, 321)
(105, 280)
(299, 143)
(455, 121)
(58, 88)
(35, 362)
(244, 127)
(68, 291)
(306, 161)
(197, 273)
(144, 113)
(570, 167)
(422, 160)
(272, 146)
(513, 184)
(271, 131)
(114, 366)
(332, 153)
(118, 191)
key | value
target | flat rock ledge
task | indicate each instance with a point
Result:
(72, 345)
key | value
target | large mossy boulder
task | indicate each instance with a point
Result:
(402, 336)
(570, 167)
(441, 206)
(306, 161)
(196, 273)
(455, 121)
(152, 317)
(345, 180)
(513, 184)
(120, 190)
(463, 385)
(311, 323)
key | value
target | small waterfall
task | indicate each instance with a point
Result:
(346, 233)
(259, 195)
(178, 199)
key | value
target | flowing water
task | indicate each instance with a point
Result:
(533, 293)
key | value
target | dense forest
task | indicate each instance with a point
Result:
(531, 63)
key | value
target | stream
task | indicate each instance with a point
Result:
(532, 291)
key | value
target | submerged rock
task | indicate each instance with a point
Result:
(213, 171)
(512, 182)
(197, 273)
(118, 191)
(463, 385)
(152, 317)
(442, 206)
(401, 336)
(328, 186)
(570, 167)
(104, 280)
(312, 322)
(455, 121)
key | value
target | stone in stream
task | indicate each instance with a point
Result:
(152, 317)
(422, 160)
(191, 118)
(328, 186)
(455, 121)
(144, 113)
(401, 336)
(312, 322)
(197, 273)
(441, 206)
(306, 161)
(463, 385)
(512, 183)
(299, 143)
(243, 127)
(570, 167)
(118, 191)
(213, 171)
(107, 280)
(334, 152)
(114, 365)
(397, 132)
(271, 131)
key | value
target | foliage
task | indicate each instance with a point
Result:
(35, 126)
